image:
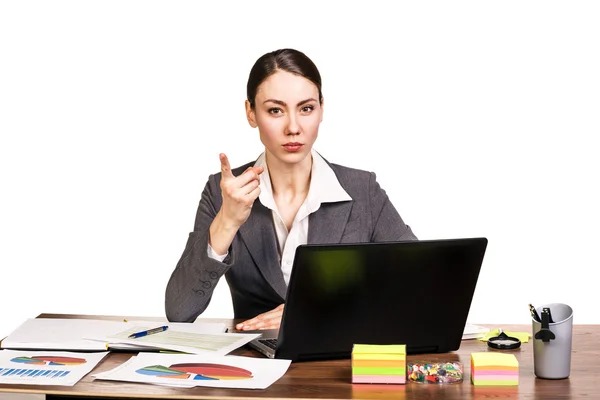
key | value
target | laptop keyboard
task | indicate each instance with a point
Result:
(272, 343)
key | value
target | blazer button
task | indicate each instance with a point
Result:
(206, 285)
(213, 275)
(200, 292)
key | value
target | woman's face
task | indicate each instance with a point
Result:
(287, 113)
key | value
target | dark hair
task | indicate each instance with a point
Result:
(289, 60)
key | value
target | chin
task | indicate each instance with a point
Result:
(295, 157)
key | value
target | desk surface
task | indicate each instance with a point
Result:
(332, 379)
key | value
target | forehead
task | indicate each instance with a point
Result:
(288, 87)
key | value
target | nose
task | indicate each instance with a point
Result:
(293, 128)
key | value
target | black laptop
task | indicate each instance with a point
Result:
(415, 293)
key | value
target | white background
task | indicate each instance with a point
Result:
(479, 118)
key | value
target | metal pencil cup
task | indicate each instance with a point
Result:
(552, 350)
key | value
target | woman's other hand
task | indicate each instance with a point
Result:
(269, 320)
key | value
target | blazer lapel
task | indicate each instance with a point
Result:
(326, 225)
(258, 235)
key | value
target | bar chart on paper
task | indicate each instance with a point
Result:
(23, 375)
(29, 373)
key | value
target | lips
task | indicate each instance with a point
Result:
(292, 146)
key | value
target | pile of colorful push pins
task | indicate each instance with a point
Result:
(440, 372)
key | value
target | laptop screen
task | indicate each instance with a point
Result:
(415, 293)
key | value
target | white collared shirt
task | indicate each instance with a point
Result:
(324, 188)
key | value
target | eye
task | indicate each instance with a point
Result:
(307, 109)
(275, 111)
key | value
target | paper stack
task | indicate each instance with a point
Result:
(101, 335)
(492, 369)
(379, 363)
(474, 331)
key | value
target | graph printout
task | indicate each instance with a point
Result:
(189, 370)
(187, 338)
(58, 368)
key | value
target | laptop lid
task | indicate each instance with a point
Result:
(416, 293)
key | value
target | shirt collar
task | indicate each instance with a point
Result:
(324, 185)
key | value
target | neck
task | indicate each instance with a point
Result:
(289, 180)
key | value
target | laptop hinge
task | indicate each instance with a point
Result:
(324, 356)
(421, 349)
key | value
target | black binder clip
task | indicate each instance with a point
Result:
(546, 309)
(545, 334)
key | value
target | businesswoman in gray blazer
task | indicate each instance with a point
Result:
(251, 219)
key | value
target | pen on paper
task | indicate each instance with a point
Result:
(148, 332)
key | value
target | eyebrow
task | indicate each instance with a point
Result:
(283, 103)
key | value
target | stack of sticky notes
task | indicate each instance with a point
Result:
(491, 368)
(373, 363)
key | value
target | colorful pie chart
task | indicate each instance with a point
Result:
(197, 371)
(49, 360)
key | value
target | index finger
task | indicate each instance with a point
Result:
(225, 168)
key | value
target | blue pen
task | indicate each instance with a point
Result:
(148, 332)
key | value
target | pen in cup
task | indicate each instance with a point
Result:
(148, 332)
(534, 313)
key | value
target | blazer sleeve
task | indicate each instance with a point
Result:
(196, 275)
(387, 223)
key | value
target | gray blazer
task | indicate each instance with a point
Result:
(252, 267)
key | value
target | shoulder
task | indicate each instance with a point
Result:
(350, 177)
(358, 183)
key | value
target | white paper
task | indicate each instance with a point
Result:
(140, 345)
(189, 370)
(474, 331)
(188, 338)
(60, 334)
(82, 334)
(58, 368)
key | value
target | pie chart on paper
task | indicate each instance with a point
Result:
(49, 360)
(197, 371)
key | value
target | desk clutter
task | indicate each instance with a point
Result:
(60, 352)
(383, 364)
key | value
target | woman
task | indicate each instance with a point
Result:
(251, 219)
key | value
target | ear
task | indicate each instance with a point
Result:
(250, 115)
(322, 108)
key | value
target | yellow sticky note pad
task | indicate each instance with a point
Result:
(379, 348)
(379, 363)
(494, 369)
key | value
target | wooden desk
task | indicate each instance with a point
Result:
(331, 379)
